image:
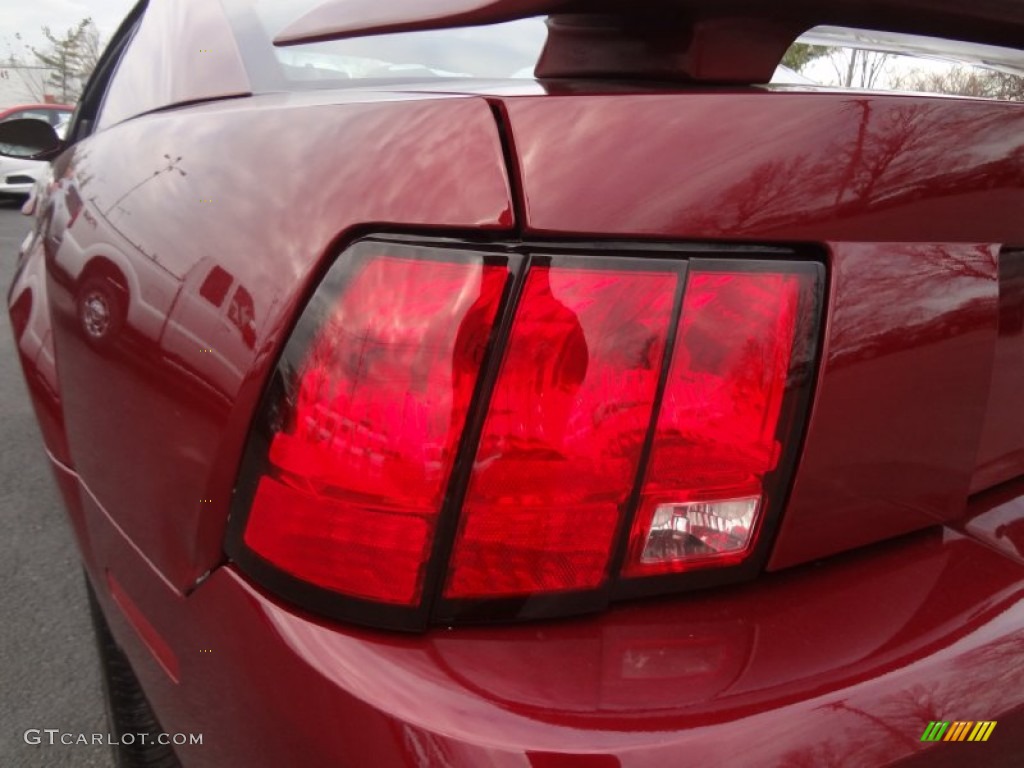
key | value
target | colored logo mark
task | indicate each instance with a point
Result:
(959, 730)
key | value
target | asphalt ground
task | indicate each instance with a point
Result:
(49, 670)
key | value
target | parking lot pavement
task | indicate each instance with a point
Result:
(49, 672)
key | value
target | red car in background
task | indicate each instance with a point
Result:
(428, 384)
(54, 114)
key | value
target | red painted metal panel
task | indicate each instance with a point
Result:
(845, 661)
(911, 197)
(156, 413)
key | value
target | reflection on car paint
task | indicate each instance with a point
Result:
(912, 198)
(140, 216)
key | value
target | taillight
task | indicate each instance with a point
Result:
(717, 435)
(564, 431)
(507, 432)
(358, 467)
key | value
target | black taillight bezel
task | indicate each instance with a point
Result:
(518, 256)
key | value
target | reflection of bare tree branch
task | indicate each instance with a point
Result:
(827, 755)
(880, 158)
(920, 704)
(902, 132)
(893, 314)
(858, 149)
(768, 184)
(988, 682)
(955, 264)
(888, 156)
(897, 733)
(1007, 656)
(877, 148)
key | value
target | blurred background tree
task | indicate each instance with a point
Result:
(965, 81)
(70, 57)
(800, 55)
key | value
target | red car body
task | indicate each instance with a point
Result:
(50, 111)
(893, 592)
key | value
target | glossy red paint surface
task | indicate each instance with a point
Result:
(33, 333)
(843, 662)
(912, 199)
(170, 394)
(147, 634)
(996, 518)
(772, 166)
(1000, 454)
(893, 437)
(212, 247)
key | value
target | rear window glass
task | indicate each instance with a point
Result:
(498, 51)
(824, 56)
(878, 61)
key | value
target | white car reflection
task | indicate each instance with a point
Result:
(18, 177)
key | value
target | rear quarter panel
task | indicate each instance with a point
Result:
(264, 189)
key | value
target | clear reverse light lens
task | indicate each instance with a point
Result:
(696, 528)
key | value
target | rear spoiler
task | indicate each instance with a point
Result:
(719, 41)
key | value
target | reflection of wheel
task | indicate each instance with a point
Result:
(101, 309)
(128, 712)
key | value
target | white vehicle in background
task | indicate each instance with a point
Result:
(203, 306)
(17, 176)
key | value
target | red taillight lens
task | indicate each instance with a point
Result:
(454, 434)
(717, 432)
(564, 431)
(357, 475)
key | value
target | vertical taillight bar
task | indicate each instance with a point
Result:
(372, 397)
(718, 434)
(565, 427)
